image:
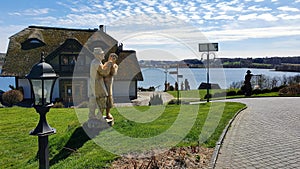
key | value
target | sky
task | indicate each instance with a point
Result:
(242, 28)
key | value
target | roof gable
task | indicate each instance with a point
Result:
(129, 68)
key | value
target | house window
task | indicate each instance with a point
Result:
(68, 62)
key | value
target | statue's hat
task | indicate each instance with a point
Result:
(98, 51)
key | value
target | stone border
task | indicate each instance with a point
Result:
(221, 139)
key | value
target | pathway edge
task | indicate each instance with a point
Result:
(221, 139)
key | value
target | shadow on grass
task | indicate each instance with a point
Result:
(76, 141)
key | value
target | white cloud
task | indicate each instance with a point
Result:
(31, 12)
(223, 17)
(82, 9)
(288, 17)
(149, 9)
(255, 16)
(124, 2)
(137, 10)
(163, 9)
(241, 34)
(206, 15)
(288, 9)
(5, 33)
(208, 7)
(255, 8)
(267, 17)
(194, 16)
(247, 17)
(225, 7)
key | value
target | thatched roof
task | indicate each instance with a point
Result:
(26, 46)
(126, 70)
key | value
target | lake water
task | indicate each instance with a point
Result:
(224, 77)
(156, 77)
(5, 82)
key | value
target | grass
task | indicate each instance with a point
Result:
(198, 95)
(70, 147)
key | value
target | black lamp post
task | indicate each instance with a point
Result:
(42, 78)
(207, 47)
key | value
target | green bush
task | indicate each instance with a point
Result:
(275, 89)
(220, 94)
(256, 91)
(240, 92)
(208, 96)
(174, 101)
(12, 97)
(266, 91)
(231, 93)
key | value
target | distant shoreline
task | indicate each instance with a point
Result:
(287, 64)
(288, 68)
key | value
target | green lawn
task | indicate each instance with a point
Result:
(72, 148)
(198, 95)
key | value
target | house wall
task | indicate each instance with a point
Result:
(124, 88)
(121, 89)
(27, 89)
(26, 86)
(55, 93)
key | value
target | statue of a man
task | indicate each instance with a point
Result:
(97, 89)
(247, 84)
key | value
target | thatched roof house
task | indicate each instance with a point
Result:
(64, 47)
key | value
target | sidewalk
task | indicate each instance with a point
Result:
(265, 135)
(144, 98)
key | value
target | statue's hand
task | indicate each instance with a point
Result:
(109, 64)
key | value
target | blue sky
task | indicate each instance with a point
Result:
(249, 28)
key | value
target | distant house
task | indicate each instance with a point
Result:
(69, 51)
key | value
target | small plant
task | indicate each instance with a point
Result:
(58, 105)
(156, 100)
(12, 97)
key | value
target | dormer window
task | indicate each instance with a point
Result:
(34, 40)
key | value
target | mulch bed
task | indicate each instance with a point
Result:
(175, 158)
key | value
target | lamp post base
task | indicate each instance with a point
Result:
(43, 130)
(43, 152)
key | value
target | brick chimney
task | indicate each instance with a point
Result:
(101, 28)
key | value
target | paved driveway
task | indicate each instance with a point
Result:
(265, 135)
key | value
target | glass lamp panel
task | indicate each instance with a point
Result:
(37, 91)
(47, 89)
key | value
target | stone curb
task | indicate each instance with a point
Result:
(221, 139)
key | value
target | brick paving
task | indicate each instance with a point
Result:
(265, 135)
